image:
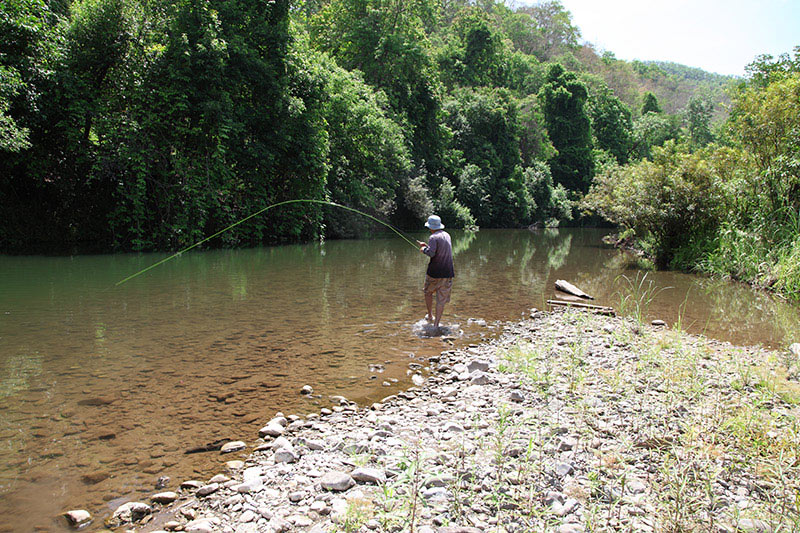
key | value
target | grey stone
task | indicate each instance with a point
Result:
(272, 430)
(219, 478)
(234, 446)
(306, 389)
(479, 378)
(208, 489)
(131, 512)
(164, 497)
(368, 475)
(458, 529)
(478, 365)
(564, 469)
(285, 455)
(439, 481)
(795, 349)
(516, 396)
(248, 516)
(336, 481)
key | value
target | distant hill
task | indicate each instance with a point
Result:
(672, 83)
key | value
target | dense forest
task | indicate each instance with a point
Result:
(138, 125)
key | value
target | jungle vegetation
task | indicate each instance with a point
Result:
(140, 125)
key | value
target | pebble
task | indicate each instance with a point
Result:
(368, 475)
(234, 446)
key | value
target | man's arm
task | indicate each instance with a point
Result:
(430, 248)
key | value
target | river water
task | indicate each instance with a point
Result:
(103, 389)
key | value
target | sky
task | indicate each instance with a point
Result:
(720, 36)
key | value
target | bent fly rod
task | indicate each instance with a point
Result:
(245, 219)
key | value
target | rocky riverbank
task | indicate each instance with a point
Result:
(567, 422)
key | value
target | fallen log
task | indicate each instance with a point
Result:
(569, 288)
(600, 309)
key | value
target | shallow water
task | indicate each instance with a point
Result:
(102, 389)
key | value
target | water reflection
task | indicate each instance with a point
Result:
(103, 388)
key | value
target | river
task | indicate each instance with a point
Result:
(103, 388)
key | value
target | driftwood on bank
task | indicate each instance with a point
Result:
(569, 288)
(600, 309)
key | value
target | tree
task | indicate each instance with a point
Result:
(563, 101)
(611, 124)
(485, 128)
(387, 41)
(698, 118)
(549, 30)
(477, 56)
(650, 104)
(653, 130)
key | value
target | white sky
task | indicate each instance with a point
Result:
(715, 35)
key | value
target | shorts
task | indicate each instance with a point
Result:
(440, 286)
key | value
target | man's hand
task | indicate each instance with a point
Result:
(421, 245)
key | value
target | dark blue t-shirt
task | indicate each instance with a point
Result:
(440, 250)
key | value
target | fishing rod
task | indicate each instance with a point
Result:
(245, 219)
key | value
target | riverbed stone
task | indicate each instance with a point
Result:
(336, 481)
(368, 475)
(164, 497)
(233, 446)
(78, 517)
(205, 490)
(272, 430)
(285, 455)
(131, 512)
(307, 390)
(795, 349)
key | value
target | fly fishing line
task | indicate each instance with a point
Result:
(245, 219)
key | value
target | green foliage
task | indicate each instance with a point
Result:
(549, 205)
(367, 152)
(652, 130)
(650, 104)
(698, 117)
(449, 208)
(476, 56)
(675, 200)
(611, 124)
(563, 99)
(485, 130)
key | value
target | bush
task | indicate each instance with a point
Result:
(676, 200)
(450, 209)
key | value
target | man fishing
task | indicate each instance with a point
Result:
(440, 273)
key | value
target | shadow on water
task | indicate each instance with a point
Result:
(102, 389)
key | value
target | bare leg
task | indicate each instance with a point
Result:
(439, 311)
(429, 305)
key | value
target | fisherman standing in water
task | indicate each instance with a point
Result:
(439, 277)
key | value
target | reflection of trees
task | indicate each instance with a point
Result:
(746, 313)
(462, 240)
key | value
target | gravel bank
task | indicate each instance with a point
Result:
(567, 422)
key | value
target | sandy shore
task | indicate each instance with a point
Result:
(567, 422)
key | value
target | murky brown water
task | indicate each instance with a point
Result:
(102, 389)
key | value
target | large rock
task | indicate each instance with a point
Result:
(336, 481)
(272, 429)
(78, 517)
(130, 512)
(234, 446)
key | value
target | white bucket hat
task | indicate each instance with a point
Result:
(434, 222)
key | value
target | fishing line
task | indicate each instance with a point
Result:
(303, 200)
